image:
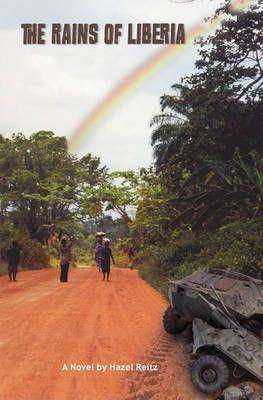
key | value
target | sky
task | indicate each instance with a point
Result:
(51, 87)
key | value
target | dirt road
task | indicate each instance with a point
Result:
(48, 328)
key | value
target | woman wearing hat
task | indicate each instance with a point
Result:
(106, 259)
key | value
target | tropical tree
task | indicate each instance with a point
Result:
(117, 194)
(155, 211)
(41, 182)
(219, 107)
(225, 190)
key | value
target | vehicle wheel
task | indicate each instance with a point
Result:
(210, 373)
(172, 322)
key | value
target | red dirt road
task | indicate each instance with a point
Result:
(45, 324)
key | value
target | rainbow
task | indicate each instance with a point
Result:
(135, 79)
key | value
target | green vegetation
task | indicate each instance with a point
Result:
(200, 204)
(3, 268)
(33, 254)
(237, 247)
(41, 187)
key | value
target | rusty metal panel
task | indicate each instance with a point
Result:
(225, 284)
(199, 277)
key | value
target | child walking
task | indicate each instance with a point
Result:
(106, 259)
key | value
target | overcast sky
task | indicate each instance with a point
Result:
(55, 87)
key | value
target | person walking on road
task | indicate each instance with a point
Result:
(65, 257)
(106, 259)
(13, 257)
(98, 249)
(131, 258)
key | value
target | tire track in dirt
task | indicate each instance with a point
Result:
(172, 380)
(44, 324)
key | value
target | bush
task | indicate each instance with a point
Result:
(81, 255)
(3, 267)
(164, 260)
(235, 247)
(6, 232)
(121, 258)
(151, 275)
(33, 255)
(52, 251)
(83, 252)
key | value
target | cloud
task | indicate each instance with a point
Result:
(17, 11)
(123, 141)
(55, 87)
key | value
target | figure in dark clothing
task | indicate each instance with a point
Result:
(131, 257)
(98, 249)
(106, 259)
(65, 257)
(13, 257)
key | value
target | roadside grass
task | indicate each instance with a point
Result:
(3, 268)
(121, 260)
(89, 263)
(159, 282)
(54, 262)
(235, 247)
(80, 263)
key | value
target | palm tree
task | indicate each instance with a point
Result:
(225, 189)
(170, 127)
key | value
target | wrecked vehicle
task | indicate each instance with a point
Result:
(226, 311)
(240, 294)
(245, 392)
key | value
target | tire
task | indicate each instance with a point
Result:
(210, 374)
(172, 323)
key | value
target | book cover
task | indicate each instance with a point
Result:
(131, 200)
